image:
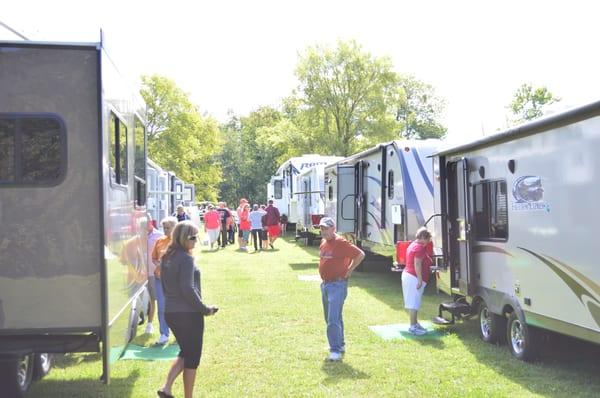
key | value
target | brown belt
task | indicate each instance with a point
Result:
(334, 280)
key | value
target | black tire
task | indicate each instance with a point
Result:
(16, 376)
(492, 326)
(522, 339)
(42, 364)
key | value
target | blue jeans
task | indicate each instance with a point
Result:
(333, 295)
(160, 301)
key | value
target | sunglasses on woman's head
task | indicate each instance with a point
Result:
(193, 237)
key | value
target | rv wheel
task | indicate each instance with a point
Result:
(41, 365)
(16, 376)
(491, 326)
(521, 339)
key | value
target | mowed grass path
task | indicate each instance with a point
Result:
(268, 340)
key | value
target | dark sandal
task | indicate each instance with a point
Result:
(163, 394)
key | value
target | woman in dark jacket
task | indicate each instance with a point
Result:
(184, 309)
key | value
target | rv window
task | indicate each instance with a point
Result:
(277, 189)
(32, 149)
(391, 184)
(139, 134)
(117, 132)
(491, 212)
(330, 192)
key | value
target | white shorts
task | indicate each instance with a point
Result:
(412, 295)
(213, 235)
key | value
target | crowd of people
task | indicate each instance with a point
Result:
(256, 225)
(174, 281)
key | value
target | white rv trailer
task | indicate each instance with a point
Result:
(283, 185)
(72, 208)
(166, 191)
(519, 226)
(382, 195)
(310, 200)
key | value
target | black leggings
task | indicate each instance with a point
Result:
(257, 238)
(188, 328)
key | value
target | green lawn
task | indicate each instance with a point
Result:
(268, 340)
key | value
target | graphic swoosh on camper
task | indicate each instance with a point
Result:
(490, 249)
(569, 275)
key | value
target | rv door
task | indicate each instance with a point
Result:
(460, 223)
(346, 199)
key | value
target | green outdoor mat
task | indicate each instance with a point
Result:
(400, 331)
(151, 353)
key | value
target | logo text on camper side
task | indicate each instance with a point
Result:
(528, 193)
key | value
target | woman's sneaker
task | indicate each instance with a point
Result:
(162, 340)
(416, 330)
(418, 325)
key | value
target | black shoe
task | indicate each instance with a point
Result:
(163, 394)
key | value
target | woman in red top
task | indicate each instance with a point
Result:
(244, 226)
(415, 277)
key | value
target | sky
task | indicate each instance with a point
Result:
(235, 55)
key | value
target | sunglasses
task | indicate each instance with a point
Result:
(193, 237)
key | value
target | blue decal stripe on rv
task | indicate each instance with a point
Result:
(422, 170)
(377, 180)
(410, 196)
(374, 219)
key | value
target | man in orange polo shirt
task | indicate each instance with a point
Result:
(338, 258)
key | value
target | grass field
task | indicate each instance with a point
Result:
(268, 340)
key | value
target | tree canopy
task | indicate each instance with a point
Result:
(529, 103)
(179, 138)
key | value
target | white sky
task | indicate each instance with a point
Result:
(238, 55)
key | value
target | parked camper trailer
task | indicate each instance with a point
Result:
(519, 227)
(382, 195)
(283, 185)
(310, 200)
(72, 208)
(166, 191)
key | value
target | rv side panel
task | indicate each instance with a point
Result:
(50, 258)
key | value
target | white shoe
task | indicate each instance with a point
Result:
(162, 339)
(149, 328)
(416, 331)
(334, 356)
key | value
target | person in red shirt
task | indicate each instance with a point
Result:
(245, 226)
(338, 259)
(212, 225)
(272, 221)
(415, 277)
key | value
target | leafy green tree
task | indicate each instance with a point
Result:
(528, 102)
(347, 92)
(418, 109)
(254, 146)
(179, 138)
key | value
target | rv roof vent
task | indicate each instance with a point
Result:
(511, 166)
(482, 172)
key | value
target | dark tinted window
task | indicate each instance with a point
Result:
(117, 132)
(391, 184)
(140, 149)
(330, 189)
(7, 150)
(32, 149)
(277, 189)
(491, 212)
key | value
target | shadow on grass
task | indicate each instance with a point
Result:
(338, 371)
(565, 366)
(304, 266)
(119, 387)
(66, 360)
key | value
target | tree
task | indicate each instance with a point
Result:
(347, 91)
(254, 146)
(528, 103)
(418, 109)
(179, 139)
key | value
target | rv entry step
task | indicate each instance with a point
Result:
(455, 308)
